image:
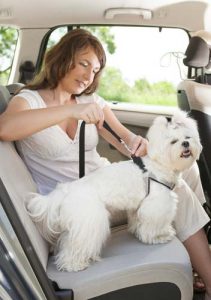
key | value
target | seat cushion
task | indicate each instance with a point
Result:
(127, 262)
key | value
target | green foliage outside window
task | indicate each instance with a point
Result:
(8, 39)
(114, 88)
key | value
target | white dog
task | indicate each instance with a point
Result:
(74, 218)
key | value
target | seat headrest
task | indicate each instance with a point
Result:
(4, 98)
(198, 52)
(13, 88)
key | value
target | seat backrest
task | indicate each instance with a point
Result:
(14, 87)
(194, 96)
(18, 183)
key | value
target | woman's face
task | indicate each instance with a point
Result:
(86, 65)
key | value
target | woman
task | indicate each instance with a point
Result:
(44, 120)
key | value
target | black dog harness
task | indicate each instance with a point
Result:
(137, 160)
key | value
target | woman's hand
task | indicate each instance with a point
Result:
(138, 145)
(91, 113)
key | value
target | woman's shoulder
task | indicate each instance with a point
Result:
(32, 97)
(26, 92)
(90, 99)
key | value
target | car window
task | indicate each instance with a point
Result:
(56, 35)
(8, 41)
(144, 64)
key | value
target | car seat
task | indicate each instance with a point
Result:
(194, 96)
(128, 270)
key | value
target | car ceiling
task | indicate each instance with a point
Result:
(191, 15)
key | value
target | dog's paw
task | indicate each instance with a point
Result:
(163, 237)
(78, 267)
(74, 265)
(96, 258)
(156, 237)
(71, 267)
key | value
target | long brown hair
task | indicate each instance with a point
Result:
(60, 59)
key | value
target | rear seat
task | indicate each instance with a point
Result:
(128, 270)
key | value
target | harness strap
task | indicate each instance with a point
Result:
(137, 160)
(106, 126)
(150, 178)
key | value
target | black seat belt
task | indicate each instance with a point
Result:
(82, 150)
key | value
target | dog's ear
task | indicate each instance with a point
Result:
(181, 118)
(160, 121)
(154, 134)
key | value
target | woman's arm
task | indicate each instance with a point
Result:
(136, 144)
(19, 121)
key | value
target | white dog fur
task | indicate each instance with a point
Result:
(75, 217)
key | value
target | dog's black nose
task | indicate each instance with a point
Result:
(185, 144)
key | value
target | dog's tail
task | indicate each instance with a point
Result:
(44, 214)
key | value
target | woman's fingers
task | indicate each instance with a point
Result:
(139, 146)
(96, 116)
(101, 119)
(91, 113)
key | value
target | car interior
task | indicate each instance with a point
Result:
(129, 269)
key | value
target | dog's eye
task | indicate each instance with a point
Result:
(174, 142)
(187, 137)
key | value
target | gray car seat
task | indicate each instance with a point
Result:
(128, 269)
(194, 96)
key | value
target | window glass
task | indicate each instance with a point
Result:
(56, 36)
(8, 40)
(144, 64)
